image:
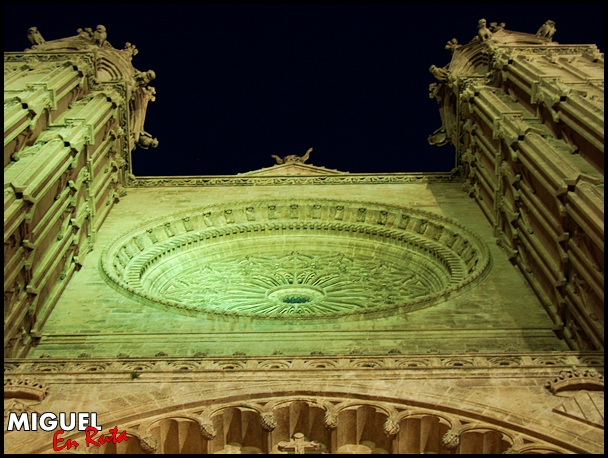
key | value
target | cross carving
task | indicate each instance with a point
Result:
(298, 445)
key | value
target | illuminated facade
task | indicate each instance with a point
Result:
(299, 309)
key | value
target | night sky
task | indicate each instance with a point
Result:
(237, 83)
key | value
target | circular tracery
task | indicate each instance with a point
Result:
(299, 257)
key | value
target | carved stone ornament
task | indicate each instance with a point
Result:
(268, 421)
(148, 444)
(441, 74)
(292, 158)
(299, 445)
(483, 33)
(307, 280)
(390, 428)
(22, 388)
(34, 36)
(208, 431)
(576, 380)
(547, 30)
(450, 440)
(330, 420)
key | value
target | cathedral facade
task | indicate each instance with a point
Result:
(299, 309)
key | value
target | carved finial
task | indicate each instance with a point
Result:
(496, 27)
(452, 45)
(34, 36)
(547, 30)
(130, 49)
(86, 33)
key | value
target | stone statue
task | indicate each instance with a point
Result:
(146, 141)
(143, 78)
(292, 158)
(100, 35)
(483, 32)
(34, 36)
(547, 30)
(496, 27)
(440, 73)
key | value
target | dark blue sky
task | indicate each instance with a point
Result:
(237, 83)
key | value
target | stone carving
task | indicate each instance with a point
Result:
(207, 430)
(143, 78)
(23, 388)
(483, 33)
(34, 36)
(148, 444)
(547, 30)
(292, 158)
(299, 445)
(147, 141)
(100, 35)
(452, 44)
(308, 281)
(439, 137)
(512, 364)
(496, 27)
(330, 420)
(268, 421)
(441, 74)
(450, 440)
(291, 181)
(296, 283)
(390, 428)
(576, 380)
(434, 91)
(130, 49)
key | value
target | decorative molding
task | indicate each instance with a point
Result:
(291, 180)
(416, 365)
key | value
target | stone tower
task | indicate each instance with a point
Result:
(526, 116)
(234, 315)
